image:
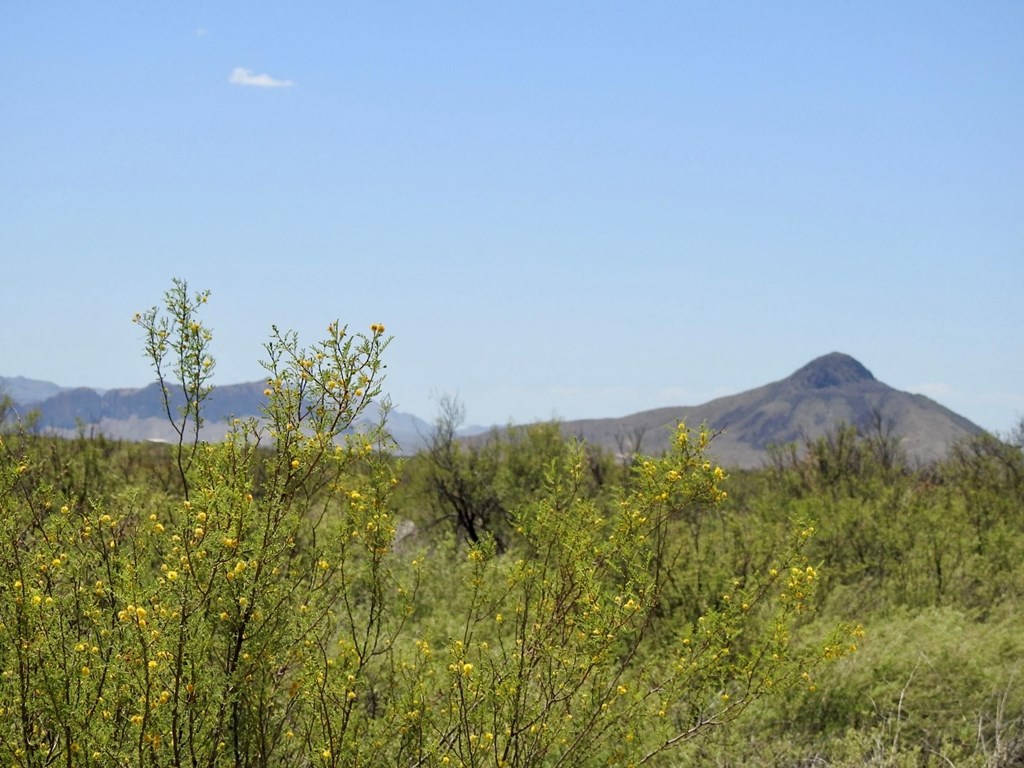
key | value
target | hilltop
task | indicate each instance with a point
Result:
(829, 390)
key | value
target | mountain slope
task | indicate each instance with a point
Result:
(832, 389)
(827, 391)
(27, 391)
(139, 414)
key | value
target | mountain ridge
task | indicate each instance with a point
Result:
(829, 390)
(138, 413)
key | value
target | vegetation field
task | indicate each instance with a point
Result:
(296, 595)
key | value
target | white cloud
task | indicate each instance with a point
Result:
(202, 32)
(243, 76)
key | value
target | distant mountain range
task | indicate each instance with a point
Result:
(831, 389)
(28, 391)
(138, 414)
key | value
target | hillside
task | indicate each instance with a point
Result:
(827, 391)
(27, 391)
(138, 414)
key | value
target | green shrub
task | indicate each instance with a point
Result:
(258, 612)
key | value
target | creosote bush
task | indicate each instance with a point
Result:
(259, 612)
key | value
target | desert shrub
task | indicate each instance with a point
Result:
(929, 687)
(929, 560)
(257, 611)
(473, 486)
(144, 628)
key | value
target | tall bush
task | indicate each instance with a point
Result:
(262, 615)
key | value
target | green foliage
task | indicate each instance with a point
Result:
(247, 603)
(926, 688)
(461, 483)
(845, 461)
(929, 561)
(250, 602)
(475, 486)
(177, 333)
(140, 629)
(564, 653)
(936, 680)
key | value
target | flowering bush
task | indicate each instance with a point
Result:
(260, 613)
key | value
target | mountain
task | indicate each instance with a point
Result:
(27, 391)
(139, 414)
(827, 391)
(832, 389)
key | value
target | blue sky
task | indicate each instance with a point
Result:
(559, 209)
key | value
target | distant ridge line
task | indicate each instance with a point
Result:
(832, 389)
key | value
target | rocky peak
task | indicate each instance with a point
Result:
(832, 370)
